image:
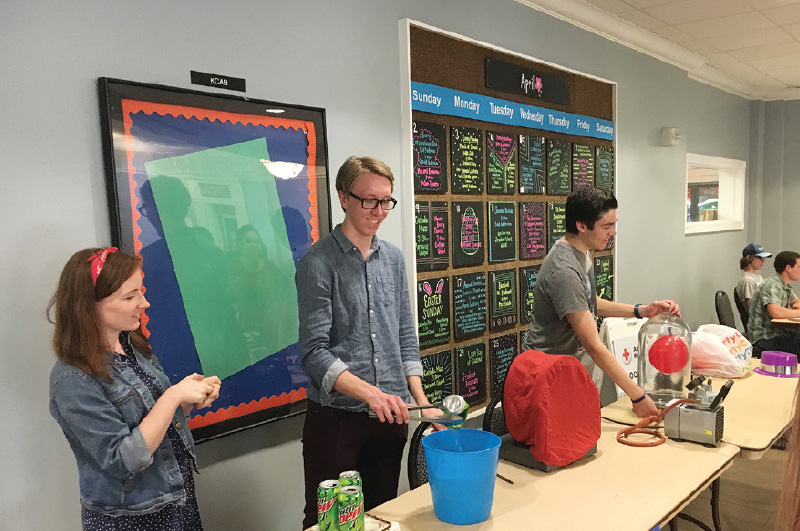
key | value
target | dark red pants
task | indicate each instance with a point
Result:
(336, 440)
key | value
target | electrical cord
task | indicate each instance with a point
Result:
(641, 427)
(621, 423)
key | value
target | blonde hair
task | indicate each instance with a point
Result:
(355, 166)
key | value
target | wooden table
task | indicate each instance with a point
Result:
(789, 320)
(758, 410)
(644, 486)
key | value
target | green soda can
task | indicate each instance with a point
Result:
(351, 508)
(456, 406)
(350, 477)
(328, 505)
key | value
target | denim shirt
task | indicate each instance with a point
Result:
(118, 475)
(355, 315)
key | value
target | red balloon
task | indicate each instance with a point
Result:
(669, 354)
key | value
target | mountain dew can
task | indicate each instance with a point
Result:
(350, 477)
(328, 505)
(351, 509)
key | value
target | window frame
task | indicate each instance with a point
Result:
(732, 174)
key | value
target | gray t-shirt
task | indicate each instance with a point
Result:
(565, 284)
(747, 285)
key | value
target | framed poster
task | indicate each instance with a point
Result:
(422, 235)
(468, 233)
(527, 283)
(556, 222)
(430, 157)
(503, 299)
(433, 311)
(532, 234)
(437, 375)
(582, 165)
(220, 195)
(466, 159)
(432, 251)
(501, 163)
(604, 172)
(502, 222)
(559, 160)
(470, 372)
(502, 351)
(531, 164)
(469, 305)
(604, 275)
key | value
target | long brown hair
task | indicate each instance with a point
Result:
(77, 339)
(789, 501)
(745, 261)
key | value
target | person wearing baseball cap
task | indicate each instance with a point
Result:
(753, 256)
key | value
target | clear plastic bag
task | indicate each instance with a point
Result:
(720, 351)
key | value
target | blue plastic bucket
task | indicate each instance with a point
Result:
(462, 466)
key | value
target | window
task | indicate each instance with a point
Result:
(714, 194)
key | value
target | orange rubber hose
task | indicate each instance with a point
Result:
(641, 427)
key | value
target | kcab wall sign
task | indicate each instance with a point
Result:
(218, 81)
(515, 79)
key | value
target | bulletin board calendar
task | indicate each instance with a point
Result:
(498, 144)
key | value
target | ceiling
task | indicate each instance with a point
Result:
(747, 47)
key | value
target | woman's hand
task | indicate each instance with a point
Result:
(192, 390)
(215, 384)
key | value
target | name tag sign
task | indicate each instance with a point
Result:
(515, 79)
(218, 81)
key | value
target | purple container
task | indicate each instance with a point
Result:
(776, 363)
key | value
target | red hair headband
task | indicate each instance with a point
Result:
(98, 260)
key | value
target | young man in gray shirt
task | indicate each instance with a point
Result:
(565, 302)
(358, 343)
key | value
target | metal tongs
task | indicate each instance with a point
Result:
(454, 405)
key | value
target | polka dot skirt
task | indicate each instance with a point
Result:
(173, 517)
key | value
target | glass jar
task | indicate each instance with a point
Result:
(665, 345)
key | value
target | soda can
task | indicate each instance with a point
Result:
(351, 508)
(456, 406)
(350, 477)
(328, 505)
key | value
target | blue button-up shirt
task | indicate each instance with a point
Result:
(355, 315)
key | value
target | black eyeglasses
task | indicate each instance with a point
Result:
(372, 204)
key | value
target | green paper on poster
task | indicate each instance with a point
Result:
(237, 316)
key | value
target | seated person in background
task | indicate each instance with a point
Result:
(774, 299)
(566, 304)
(753, 257)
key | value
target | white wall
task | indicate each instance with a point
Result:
(342, 56)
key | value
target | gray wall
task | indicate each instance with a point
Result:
(342, 56)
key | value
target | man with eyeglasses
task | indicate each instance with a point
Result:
(358, 343)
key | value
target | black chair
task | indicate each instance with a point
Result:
(494, 419)
(744, 311)
(724, 309)
(417, 468)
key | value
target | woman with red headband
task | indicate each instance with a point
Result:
(123, 420)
